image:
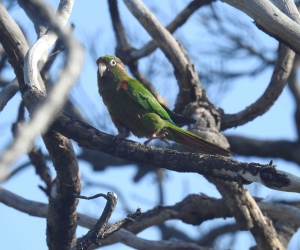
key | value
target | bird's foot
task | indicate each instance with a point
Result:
(155, 136)
(119, 136)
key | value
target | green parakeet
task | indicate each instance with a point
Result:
(134, 109)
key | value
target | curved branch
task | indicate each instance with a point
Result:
(279, 78)
(271, 20)
(41, 47)
(98, 230)
(47, 111)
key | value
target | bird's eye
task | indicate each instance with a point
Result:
(113, 63)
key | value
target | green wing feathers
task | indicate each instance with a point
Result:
(141, 94)
(179, 120)
(191, 140)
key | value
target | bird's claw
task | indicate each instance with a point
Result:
(156, 136)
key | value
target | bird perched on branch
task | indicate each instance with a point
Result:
(134, 109)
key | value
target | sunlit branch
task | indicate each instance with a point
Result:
(271, 20)
(55, 100)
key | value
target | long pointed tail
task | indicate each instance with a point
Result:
(189, 139)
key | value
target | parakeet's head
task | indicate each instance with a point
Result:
(111, 67)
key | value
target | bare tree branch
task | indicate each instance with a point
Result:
(210, 165)
(62, 216)
(129, 239)
(39, 22)
(184, 70)
(14, 44)
(187, 210)
(8, 92)
(38, 160)
(35, 155)
(41, 47)
(284, 149)
(98, 230)
(61, 219)
(271, 20)
(216, 232)
(262, 228)
(285, 232)
(279, 78)
(179, 20)
(46, 112)
(295, 89)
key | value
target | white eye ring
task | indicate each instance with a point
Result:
(113, 63)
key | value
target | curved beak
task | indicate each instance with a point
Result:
(102, 68)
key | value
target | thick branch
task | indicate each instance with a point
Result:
(14, 43)
(61, 219)
(47, 111)
(211, 165)
(191, 91)
(62, 216)
(41, 47)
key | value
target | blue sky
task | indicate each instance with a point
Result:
(93, 25)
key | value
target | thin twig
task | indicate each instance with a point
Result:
(97, 232)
